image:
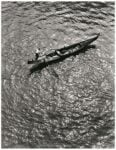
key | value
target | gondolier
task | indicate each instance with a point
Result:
(37, 53)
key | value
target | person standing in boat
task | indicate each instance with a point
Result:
(37, 53)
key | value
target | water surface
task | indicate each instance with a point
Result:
(69, 104)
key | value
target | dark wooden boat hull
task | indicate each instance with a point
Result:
(67, 51)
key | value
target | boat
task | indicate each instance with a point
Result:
(62, 53)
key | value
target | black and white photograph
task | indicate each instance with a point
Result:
(57, 74)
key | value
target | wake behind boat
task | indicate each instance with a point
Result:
(60, 54)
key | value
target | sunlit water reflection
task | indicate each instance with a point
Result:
(69, 104)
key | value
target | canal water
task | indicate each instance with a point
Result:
(65, 105)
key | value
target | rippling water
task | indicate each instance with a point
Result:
(68, 104)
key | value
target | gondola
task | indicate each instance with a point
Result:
(62, 53)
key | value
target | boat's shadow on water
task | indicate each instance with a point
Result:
(38, 68)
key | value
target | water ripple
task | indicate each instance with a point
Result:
(65, 105)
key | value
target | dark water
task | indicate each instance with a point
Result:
(69, 104)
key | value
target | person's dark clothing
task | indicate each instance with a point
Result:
(36, 56)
